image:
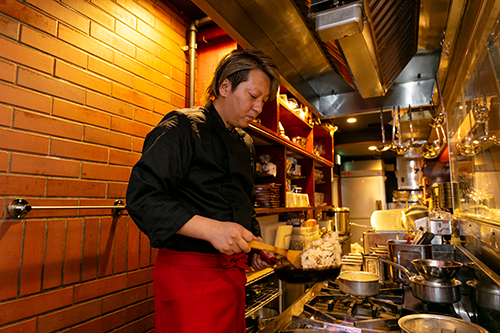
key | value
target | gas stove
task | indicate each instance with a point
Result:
(324, 308)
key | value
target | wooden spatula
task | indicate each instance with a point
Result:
(291, 255)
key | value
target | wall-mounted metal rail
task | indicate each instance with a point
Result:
(18, 208)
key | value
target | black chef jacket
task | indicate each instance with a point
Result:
(192, 164)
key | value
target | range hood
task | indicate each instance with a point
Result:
(371, 41)
(330, 76)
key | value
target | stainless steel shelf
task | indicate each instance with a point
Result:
(262, 299)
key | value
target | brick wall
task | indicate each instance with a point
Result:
(81, 83)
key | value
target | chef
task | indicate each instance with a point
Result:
(192, 194)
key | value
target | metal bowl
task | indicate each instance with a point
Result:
(437, 270)
(424, 323)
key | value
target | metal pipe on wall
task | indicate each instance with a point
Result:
(192, 46)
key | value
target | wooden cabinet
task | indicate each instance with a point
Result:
(283, 134)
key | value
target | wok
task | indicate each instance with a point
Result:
(288, 273)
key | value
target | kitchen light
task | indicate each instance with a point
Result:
(351, 120)
(372, 148)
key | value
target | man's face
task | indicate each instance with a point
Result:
(240, 107)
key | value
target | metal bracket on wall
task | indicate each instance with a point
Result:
(18, 208)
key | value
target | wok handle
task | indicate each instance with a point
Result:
(263, 246)
(406, 271)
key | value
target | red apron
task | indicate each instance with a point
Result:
(199, 293)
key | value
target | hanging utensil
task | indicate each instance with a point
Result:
(384, 146)
(400, 150)
(440, 118)
(413, 143)
(394, 145)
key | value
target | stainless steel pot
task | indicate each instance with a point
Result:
(359, 283)
(434, 291)
(426, 323)
(484, 296)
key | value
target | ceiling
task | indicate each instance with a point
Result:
(280, 29)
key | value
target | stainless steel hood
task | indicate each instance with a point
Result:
(326, 74)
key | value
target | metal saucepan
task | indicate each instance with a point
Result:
(359, 283)
(485, 296)
(425, 323)
(447, 291)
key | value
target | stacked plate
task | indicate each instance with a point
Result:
(267, 195)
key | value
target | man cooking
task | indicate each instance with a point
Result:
(192, 194)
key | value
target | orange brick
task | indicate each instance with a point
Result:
(120, 251)
(8, 27)
(80, 113)
(34, 305)
(154, 90)
(44, 165)
(110, 71)
(67, 317)
(139, 310)
(109, 38)
(14, 95)
(162, 36)
(53, 46)
(82, 77)
(26, 56)
(54, 249)
(140, 277)
(107, 138)
(102, 324)
(75, 188)
(95, 13)
(106, 247)
(170, 84)
(109, 104)
(90, 246)
(133, 66)
(138, 10)
(84, 42)
(21, 185)
(4, 162)
(162, 107)
(144, 251)
(62, 13)
(105, 172)
(117, 190)
(26, 326)
(73, 251)
(151, 289)
(28, 15)
(101, 287)
(31, 79)
(14, 140)
(147, 117)
(7, 71)
(121, 157)
(179, 101)
(137, 144)
(133, 248)
(78, 150)
(182, 77)
(151, 61)
(11, 235)
(136, 326)
(131, 96)
(160, 11)
(178, 37)
(134, 37)
(31, 270)
(130, 127)
(47, 124)
(6, 113)
(174, 60)
(179, 25)
(116, 11)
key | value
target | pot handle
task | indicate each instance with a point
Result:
(362, 225)
(404, 269)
